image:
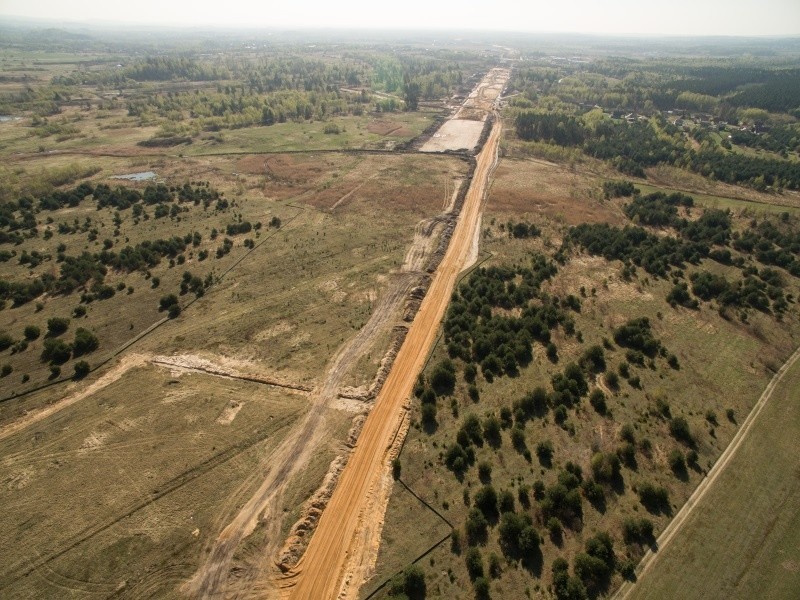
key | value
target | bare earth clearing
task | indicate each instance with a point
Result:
(463, 131)
(342, 549)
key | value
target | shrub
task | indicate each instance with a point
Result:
(544, 452)
(491, 431)
(594, 493)
(677, 462)
(637, 531)
(495, 567)
(506, 501)
(476, 526)
(594, 359)
(428, 415)
(627, 454)
(167, 301)
(473, 393)
(6, 370)
(605, 466)
(654, 498)
(627, 434)
(474, 562)
(31, 332)
(455, 542)
(174, 311)
(679, 429)
(455, 459)
(473, 429)
(85, 342)
(470, 372)
(396, 468)
(485, 471)
(6, 341)
(486, 501)
(555, 529)
(481, 586)
(443, 378)
(414, 582)
(81, 369)
(636, 334)
(612, 380)
(518, 439)
(56, 351)
(57, 325)
(598, 401)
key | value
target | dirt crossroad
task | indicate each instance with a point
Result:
(321, 571)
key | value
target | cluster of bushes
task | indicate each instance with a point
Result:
(56, 351)
(708, 236)
(77, 271)
(122, 198)
(237, 228)
(593, 569)
(194, 284)
(522, 230)
(617, 189)
(477, 330)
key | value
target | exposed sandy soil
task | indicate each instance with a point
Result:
(463, 131)
(125, 364)
(382, 127)
(455, 134)
(333, 565)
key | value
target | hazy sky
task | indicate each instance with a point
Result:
(690, 17)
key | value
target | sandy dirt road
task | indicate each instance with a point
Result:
(651, 558)
(320, 573)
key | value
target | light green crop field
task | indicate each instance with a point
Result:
(743, 538)
(736, 205)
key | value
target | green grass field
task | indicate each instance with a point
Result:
(743, 539)
(735, 205)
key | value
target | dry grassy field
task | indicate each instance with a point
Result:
(197, 405)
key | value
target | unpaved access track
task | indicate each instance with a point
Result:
(322, 572)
